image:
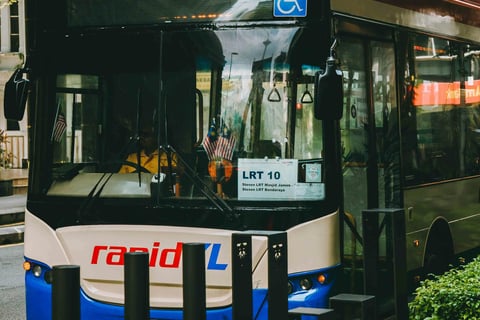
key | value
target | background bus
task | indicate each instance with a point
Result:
(226, 90)
(410, 124)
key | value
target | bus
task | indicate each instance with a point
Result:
(338, 107)
(409, 132)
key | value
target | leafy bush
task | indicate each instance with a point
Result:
(453, 295)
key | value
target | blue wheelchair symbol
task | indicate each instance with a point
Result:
(290, 8)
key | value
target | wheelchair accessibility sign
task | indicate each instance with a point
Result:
(290, 8)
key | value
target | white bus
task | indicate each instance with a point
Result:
(246, 137)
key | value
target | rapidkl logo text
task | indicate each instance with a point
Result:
(159, 257)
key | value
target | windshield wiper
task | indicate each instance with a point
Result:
(193, 176)
(93, 195)
(137, 134)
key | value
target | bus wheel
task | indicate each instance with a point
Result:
(439, 249)
(435, 263)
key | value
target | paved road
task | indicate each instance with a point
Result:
(12, 290)
(12, 204)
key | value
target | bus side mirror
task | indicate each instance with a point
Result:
(15, 96)
(328, 102)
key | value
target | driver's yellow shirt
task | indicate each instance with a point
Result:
(149, 162)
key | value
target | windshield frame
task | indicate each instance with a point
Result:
(287, 202)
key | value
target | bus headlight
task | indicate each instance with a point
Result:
(37, 271)
(48, 276)
(305, 284)
(289, 287)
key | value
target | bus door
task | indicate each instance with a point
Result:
(369, 133)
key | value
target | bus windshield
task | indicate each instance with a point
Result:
(224, 115)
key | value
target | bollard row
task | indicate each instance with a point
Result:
(66, 286)
(66, 282)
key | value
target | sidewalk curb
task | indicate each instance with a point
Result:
(12, 217)
(12, 234)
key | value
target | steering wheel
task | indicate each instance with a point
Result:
(136, 166)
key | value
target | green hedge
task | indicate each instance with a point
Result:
(454, 295)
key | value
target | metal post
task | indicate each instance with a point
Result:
(242, 299)
(397, 220)
(66, 292)
(137, 290)
(277, 277)
(194, 291)
(242, 275)
(370, 251)
(395, 233)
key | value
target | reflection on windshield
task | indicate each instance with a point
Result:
(121, 12)
(222, 116)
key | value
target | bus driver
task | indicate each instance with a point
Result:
(149, 155)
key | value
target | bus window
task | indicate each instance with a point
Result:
(386, 124)
(446, 112)
(76, 128)
(254, 99)
(354, 125)
(308, 130)
(260, 90)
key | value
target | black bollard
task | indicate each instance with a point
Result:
(137, 290)
(242, 298)
(66, 292)
(194, 292)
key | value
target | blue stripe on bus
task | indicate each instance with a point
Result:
(39, 301)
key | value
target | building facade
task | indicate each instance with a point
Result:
(12, 56)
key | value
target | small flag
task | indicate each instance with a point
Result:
(225, 145)
(210, 141)
(60, 127)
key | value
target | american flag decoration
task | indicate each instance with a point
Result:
(225, 144)
(210, 141)
(60, 127)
